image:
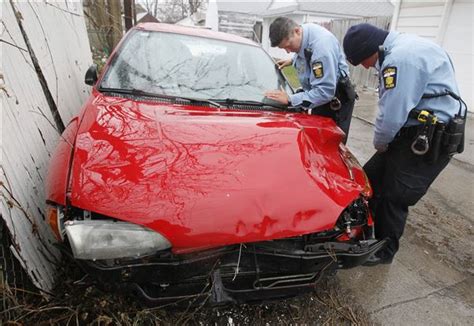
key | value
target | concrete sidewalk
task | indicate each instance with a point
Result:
(431, 280)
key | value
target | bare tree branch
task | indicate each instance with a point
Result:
(171, 11)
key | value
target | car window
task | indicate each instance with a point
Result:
(182, 65)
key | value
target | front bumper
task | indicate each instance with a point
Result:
(234, 274)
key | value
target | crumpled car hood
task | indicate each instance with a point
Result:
(206, 177)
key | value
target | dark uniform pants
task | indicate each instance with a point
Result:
(342, 117)
(399, 179)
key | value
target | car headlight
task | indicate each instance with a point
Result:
(104, 239)
(356, 214)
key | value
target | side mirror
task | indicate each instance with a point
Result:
(91, 75)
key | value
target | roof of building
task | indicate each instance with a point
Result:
(367, 8)
(243, 6)
(146, 18)
(334, 8)
(139, 8)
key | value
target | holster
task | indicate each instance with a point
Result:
(453, 138)
(436, 142)
(345, 90)
(445, 138)
(345, 93)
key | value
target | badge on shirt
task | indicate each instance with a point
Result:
(318, 70)
(300, 69)
(389, 77)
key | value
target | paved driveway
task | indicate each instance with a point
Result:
(431, 281)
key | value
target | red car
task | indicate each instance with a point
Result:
(178, 179)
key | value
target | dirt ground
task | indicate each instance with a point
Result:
(431, 281)
(445, 231)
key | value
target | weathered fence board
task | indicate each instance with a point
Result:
(238, 23)
(362, 77)
(57, 36)
(60, 42)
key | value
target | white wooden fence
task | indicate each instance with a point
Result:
(362, 77)
(45, 54)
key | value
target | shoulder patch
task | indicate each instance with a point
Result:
(389, 75)
(318, 69)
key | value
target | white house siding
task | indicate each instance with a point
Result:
(281, 4)
(450, 24)
(237, 23)
(423, 17)
(317, 19)
(276, 52)
(57, 35)
(458, 40)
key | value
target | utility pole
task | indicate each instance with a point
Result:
(115, 22)
(128, 14)
(134, 8)
(98, 12)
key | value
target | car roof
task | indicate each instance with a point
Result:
(193, 31)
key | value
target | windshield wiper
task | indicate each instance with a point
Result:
(138, 92)
(232, 101)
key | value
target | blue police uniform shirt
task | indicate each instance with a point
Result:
(328, 63)
(413, 66)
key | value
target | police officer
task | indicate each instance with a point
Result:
(414, 74)
(320, 64)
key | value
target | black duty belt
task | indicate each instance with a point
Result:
(408, 132)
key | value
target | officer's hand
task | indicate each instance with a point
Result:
(279, 96)
(283, 63)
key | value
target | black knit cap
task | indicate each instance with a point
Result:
(361, 41)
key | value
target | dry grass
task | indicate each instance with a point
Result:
(81, 303)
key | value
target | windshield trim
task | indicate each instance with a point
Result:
(140, 93)
(132, 32)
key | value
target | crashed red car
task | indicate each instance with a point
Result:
(178, 179)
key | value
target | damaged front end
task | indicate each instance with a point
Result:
(119, 255)
(204, 191)
(235, 274)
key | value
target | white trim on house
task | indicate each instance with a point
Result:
(335, 8)
(449, 23)
(444, 21)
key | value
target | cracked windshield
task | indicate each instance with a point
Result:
(187, 66)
